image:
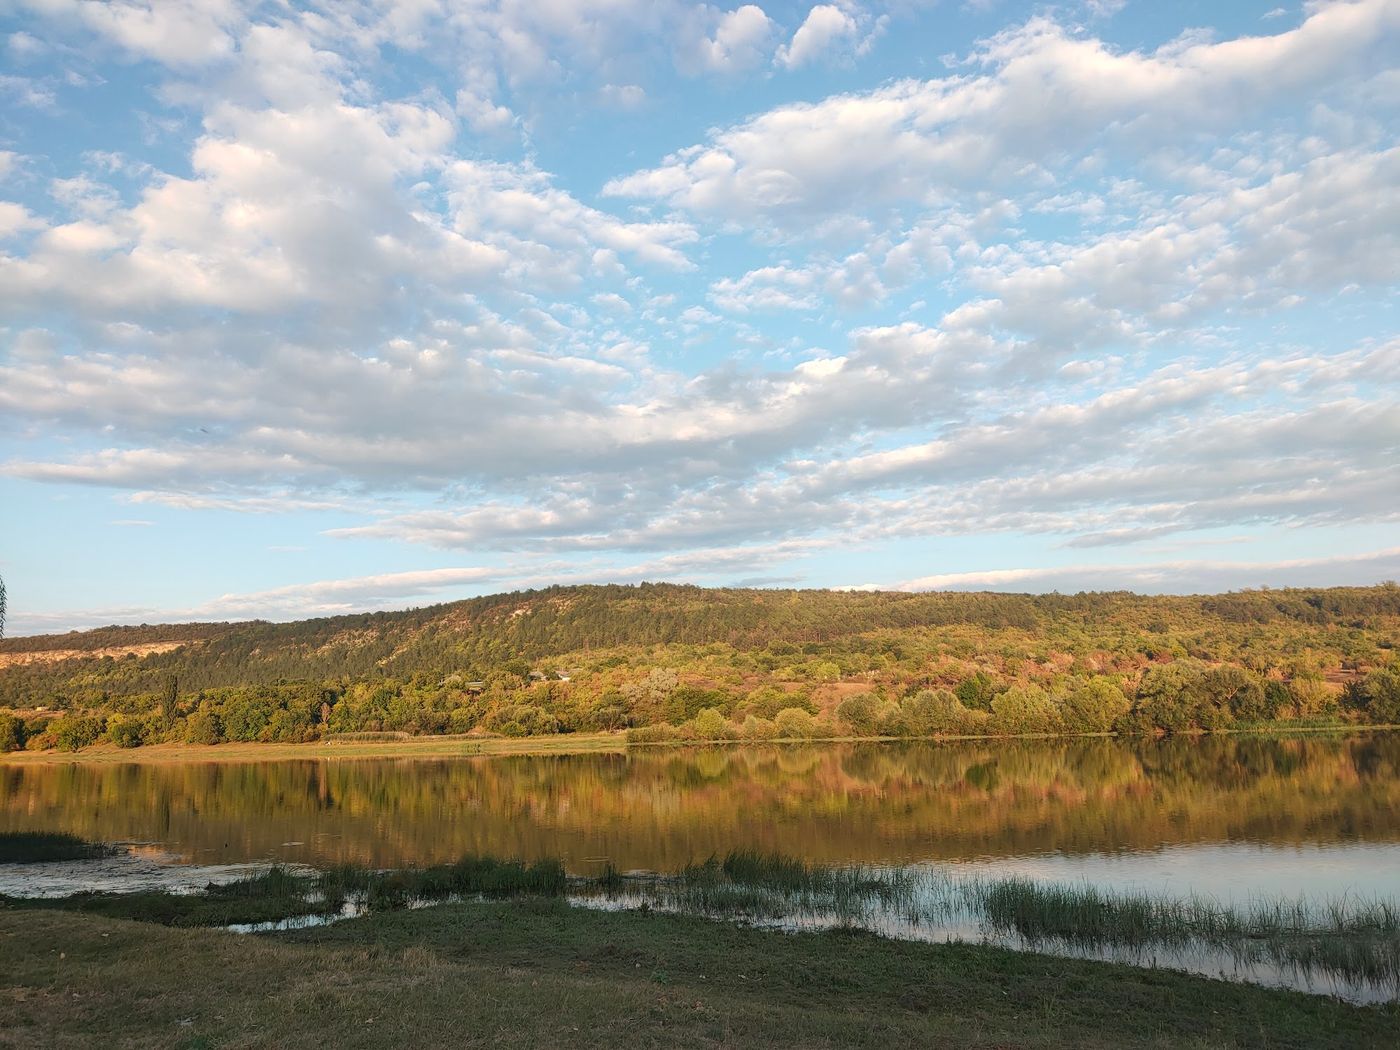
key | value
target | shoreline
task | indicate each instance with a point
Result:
(558, 744)
(551, 974)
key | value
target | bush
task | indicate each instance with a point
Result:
(204, 727)
(793, 723)
(1311, 696)
(769, 700)
(76, 731)
(687, 701)
(657, 734)
(38, 735)
(709, 724)
(126, 732)
(892, 721)
(1278, 699)
(758, 728)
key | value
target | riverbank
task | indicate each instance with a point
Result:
(413, 747)
(557, 744)
(533, 972)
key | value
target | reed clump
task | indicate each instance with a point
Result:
(468, 877)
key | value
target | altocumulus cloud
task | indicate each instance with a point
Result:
(389, 275)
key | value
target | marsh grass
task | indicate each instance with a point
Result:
(41, 847)
(468, 877)
(1351, 940)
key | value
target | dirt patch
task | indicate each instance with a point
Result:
(116, 652)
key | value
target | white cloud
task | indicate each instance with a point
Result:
(825, 28)
(188, 33)
(1044, 93)
(1180, 577)
(738, 41)
(1100, 297)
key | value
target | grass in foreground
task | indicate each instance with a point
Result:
(534, 972)
(42, 847)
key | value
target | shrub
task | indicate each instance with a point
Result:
(709, 724)
(770, 699)
(758, 728)
(1278, 699)
(657, 734)
(687, 701)
(1224, 694)
(1311, 696)
(793, 723)
(204, 727)
(892, 721)
(126, 732)
(38, 735)
(78, 731)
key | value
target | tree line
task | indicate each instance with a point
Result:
(674, 662)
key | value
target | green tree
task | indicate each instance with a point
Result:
(78, 731)
(710, 724)
(1379, 695)
(125, 732)
(861, 712)
(1094, 707)
(11, 732)
(793, 723)
(1165, 697)
(169, 700)
(204, 727)
(1025, 709)
(976, 692)
(937, 711)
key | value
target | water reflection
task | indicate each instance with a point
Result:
(659, 809)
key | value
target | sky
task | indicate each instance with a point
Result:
(361, 304)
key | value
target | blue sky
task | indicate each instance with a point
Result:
(311, 308)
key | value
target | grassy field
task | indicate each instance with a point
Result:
(533, 972)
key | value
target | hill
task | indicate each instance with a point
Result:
(603, 657)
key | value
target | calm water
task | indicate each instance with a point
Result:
(1232, 817)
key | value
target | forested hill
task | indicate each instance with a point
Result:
(542, 625)
(665, 660)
